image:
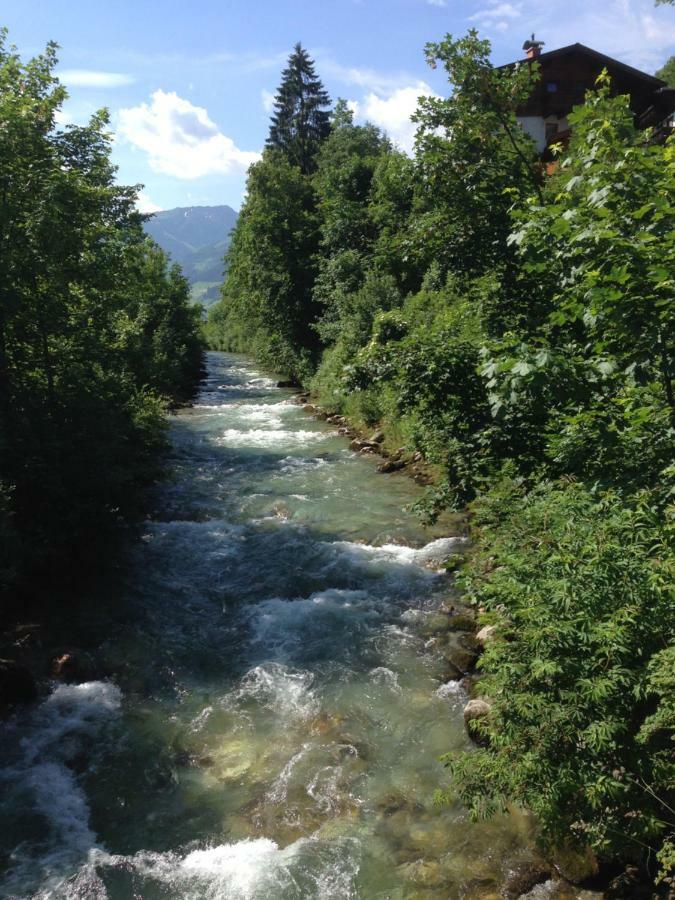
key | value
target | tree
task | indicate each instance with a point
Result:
(473, 159)
(301, 121)
(272, 266)
(96, 333)
(667, 72)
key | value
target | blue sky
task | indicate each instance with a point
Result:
(189, 85)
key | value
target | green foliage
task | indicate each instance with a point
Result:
(267, 297)
(667, 72)
(96, 332)
(580, 678)
(473, 159)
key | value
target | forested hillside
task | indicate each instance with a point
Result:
(97, 335)
(197, 238)
(516, 328)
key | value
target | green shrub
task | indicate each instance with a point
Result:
(580, 677)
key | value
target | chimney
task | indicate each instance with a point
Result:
(532, 48)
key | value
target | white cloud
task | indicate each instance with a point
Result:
(267, 100)
(180, 138)
(497, 15)
(90, 78)
(145, 205)
(392, 112)
(440, 3)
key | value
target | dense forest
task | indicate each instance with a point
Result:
(97, 335)
(515, 326)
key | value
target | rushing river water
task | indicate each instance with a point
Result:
(274, 708)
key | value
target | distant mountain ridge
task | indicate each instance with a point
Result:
(197, 238)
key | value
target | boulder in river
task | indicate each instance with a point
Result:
(391, 465)
(377, 438)
(461, 622)
(476, 709)
(525, 876)
(575, 865)
(17, 684)
(72, 666)
(458, 655)
(486, 635)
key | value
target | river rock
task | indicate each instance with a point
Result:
(457, 655)
(461, 622)
(576, 865)
(476, 709)
(72, 666)
(391, 465)
(523, 877)
(377, 438)
(287, 383)
(486, 635)
(17, 684)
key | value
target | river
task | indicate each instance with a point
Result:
(274, 707)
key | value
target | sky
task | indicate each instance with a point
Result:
(189, 86)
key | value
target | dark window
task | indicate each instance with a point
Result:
(551, 131)
(551, 87)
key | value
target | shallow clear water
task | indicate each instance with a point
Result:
(275, 708)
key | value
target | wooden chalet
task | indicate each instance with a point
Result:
(565, 76)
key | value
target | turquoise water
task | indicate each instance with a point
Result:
(273, 708)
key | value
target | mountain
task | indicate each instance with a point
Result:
(197, 238)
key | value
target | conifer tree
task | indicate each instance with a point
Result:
(301, 120)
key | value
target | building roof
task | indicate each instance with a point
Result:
(600, 57)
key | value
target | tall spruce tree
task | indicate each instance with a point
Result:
(301, 120)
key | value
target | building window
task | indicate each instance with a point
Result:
(551, 87)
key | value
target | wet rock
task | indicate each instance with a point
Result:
(486, 634)
(391, 465)
(287, 383)
(427, 873)
(575, 865)
(474, 711)
(17, 684)
(72, 666)
(377, 438)
(460, 657)
(525, 876)
(461, 622)
(367, 449)
(451, 673)
(321, 414)
(309, 408)
(343, 430)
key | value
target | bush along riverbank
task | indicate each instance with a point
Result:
(97, 339)
(514, 328)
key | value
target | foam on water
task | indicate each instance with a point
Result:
(54, 734)
(261, 437)
(255, 869)
(283, 691)
(283, 628)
